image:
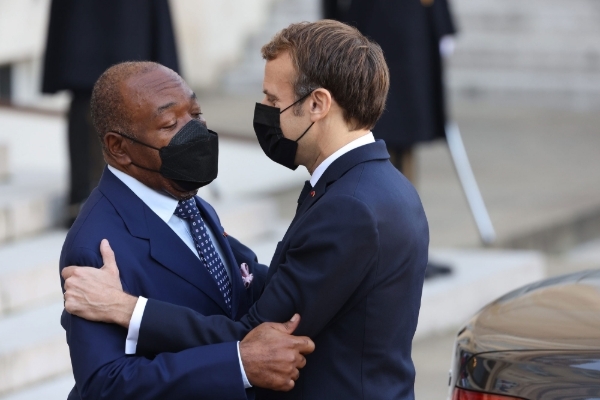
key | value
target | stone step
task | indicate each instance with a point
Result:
(534, 46)
(247, 76)
(586, 255)
(479, 277)
(504, 21)
(534, 52)
(30, 203)
(29, 272)
(4, 170)
(33, 347)
(543, 8)
(53, 389)
(31, 199)
(478, 80)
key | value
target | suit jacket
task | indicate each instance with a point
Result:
(352, 264)
(87, 37)
(154, 262)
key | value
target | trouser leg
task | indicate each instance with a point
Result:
(404, 161)
(85, 154)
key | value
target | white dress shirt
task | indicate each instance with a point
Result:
(361, 141)
(164, 207)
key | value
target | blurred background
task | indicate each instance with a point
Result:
(523, 85)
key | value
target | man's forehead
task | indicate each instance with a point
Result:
(156, 86)
(279, 75)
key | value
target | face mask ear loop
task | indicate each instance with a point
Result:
(147, 169)
(297, 101)
(301, 136)
(143, 144)
(135, 140)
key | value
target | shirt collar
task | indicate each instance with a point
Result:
(361, 141)
(164, 206)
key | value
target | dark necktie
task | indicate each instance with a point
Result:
(305, 191)
(187, 209)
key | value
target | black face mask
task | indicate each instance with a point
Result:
(190, 159)
(267, 127)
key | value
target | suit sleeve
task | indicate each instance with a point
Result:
(333, 248)
(102, 371)
(171, 328)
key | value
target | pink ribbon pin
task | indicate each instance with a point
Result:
(247, 277)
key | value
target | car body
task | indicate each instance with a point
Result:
(541, 341)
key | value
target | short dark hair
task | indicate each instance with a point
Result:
(107, 103)
(337, 57)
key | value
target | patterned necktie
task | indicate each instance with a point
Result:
(187, 209)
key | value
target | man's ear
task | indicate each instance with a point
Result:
(320, 104)
(116, 148)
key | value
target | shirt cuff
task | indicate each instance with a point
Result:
(134, 326)
(247, 384)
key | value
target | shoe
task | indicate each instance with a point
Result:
(434, 270)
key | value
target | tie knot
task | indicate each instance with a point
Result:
(187, 209)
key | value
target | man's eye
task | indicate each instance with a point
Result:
(196, 115)
(173, 125)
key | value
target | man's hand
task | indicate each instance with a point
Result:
(272, 356)
(96, 294)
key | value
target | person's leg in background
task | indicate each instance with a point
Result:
(85, 154)
(404, 161)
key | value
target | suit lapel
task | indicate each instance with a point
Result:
(359, 155)
(238, 298)
(169, 250)
(165, 246)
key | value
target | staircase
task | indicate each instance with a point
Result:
(34, 359)
(33, 349)
(247, 76)
(546, 51)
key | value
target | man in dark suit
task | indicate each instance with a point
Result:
(414, 35)
(84, 39)
(139, 108)
(352, 262)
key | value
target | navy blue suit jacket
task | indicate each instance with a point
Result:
(154, 262)
(352, 264)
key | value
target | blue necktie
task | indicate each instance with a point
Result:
(187, 209)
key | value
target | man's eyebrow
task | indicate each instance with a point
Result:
(270, 95)
(164, 107)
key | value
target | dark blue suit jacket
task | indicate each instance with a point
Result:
(154, 262)
(352, 264)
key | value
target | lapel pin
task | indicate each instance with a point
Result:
(312, 194)
(247, 277)
(225, 234)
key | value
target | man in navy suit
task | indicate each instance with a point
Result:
(139, 108)
(352, 262)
